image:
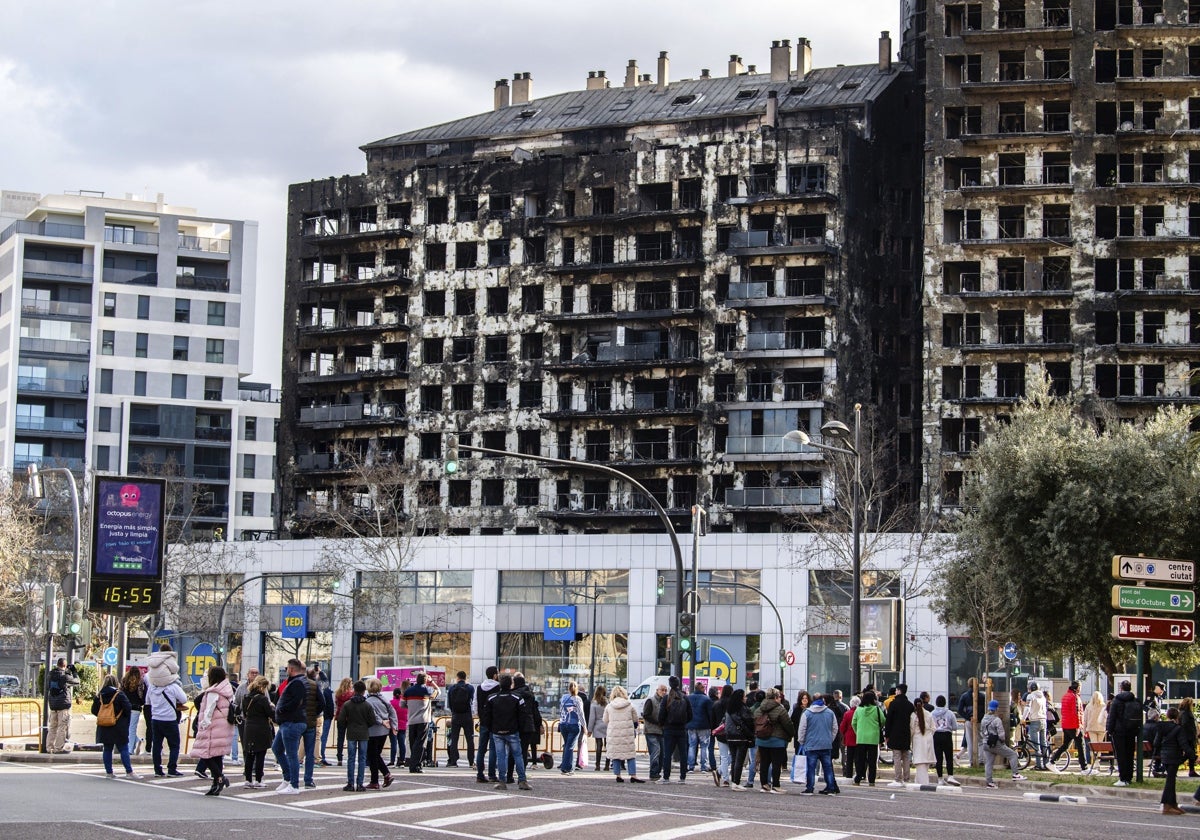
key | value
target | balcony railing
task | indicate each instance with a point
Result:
(350, 413)
(647, 351)
(56, 307)
(773, 497)
(214, 433)
(46, 461)
(787, 340)
(205, 244)
(55, 345)
(201, 282)
(130, 276)
(51, 424)
(53, 385)
(44, 229)
(57, 268)
(124, 236)
(216, 472)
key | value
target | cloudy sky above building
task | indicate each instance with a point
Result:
(220, 105)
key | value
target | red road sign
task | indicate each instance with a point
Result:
(1137, 629)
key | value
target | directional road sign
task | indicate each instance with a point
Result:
(1155, 600)
(1125, 567)
(110, 656)
(1137, 629)
(1010, 651)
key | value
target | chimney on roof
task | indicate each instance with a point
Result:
(500, 95)
(704, 74)
(664, 70)
(631, 73)
(803, 58)
(772, 108)
(885, 51)
(781, 61)
(735, 66)
(645, 79)
(596, 80)
(522, 89)
(751, 69)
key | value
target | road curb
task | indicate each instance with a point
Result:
(1065, 798)
(933, 788)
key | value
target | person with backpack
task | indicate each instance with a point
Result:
(570, 726)
(1124, 727)
(503, 714)
(258, 729)
(994, 743)
(699, 730)
(675, 717)
(773, 731)
(532, 725)
(355, 720)
(739, 733)
(61, 681)
(868, 723)
(460, 698)
(112, 710)
(651, 713)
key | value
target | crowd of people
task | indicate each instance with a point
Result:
(739, 736)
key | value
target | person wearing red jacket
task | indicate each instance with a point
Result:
(1072, 731)
(849, 739)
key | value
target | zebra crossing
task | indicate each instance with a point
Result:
(430, 803)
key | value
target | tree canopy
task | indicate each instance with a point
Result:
(1050, 498)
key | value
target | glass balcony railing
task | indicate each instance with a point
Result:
(55, 345)
(206, 244)
(773, 497)
(43, 229)
(128, 236)
(53, 385)
(58, 268)
(56, 307)
(51, 424)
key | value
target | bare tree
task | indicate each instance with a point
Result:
(890, 525)
(27, 566)
(368, 512)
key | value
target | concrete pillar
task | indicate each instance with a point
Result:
(664, 70)
(500, 95)
(522, 88)
(772, 108)
(631, 73)
(735, 66)
(885, 51)
(803, 58)
(781, 61)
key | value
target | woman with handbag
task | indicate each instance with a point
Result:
(739, 734)
(214, 731)
(258, 730)
(111, 708)
(134, 687)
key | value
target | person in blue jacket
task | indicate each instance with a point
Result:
(699, 729)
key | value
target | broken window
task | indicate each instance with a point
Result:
(1012, 14)
(464, 302)
(1056, 64)
(432, 350)
(655, 197)
(805, 280)
(1056, 116)
(462, 397)
(491, 492)
(529, 395)
(600, 298)
(598, 395)
(568, 250)
(961, 172)
(603, 201)
(400, 211)
(531, 346)
(806, 228)
(807, 178)
(1059, 376)
(653, 246)
(498, 252)
(1154, 324)
(1056, 221)
(528, 492)
(1056, 326)
(1153, 272)
(1056, 167)
(437, 210)
(1011, 221)
(1056, 274)
(435, 302)
(495, 348)
(1012, 169)
(689, 194)
(499, 205)
(495, 396)
(497, 300)
(961, 122)
(462, 349)
(466, 208)
(466, 254)
(727, 187)
(1012, 117)
(1010, 380)
(533, 299)
(761, 180)
(1152, 63)
(959, 277)
(1153, 221)
(603, 249)
(431, 397)
(1012, 65)
(1010, 326)
(435, 256)
(1010, 274)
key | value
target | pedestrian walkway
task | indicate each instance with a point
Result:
(483, 813)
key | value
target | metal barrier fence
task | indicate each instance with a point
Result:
(20, 717)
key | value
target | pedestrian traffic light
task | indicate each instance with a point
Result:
(687, 629)
(83, 637)
(662, 585)
(704, 650)
(75, 623)
(451, 453)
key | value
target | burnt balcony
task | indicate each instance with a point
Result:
(783, 344)
(1018, 27)
(366, 369)
(361, 277)
(635, 307)
(609, 506)
(762, 295)
(639, 354)
(364, 414)
(638, 258)
(642, 405)
(385, 322)
(763, 243)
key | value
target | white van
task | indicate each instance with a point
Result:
(649, 686)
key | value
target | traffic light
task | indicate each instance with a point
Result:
(451, 454)
(662, 585)
(687, 629)
(83, 638)
(704, 651)
(75, 619)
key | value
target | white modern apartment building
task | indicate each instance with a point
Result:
(126, 329)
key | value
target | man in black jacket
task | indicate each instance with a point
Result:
(531, 721)
(483, 693)
(502, 717)
(897, 728)
(1124, 725)
(291, 714)
(460, 699)
(59, 684)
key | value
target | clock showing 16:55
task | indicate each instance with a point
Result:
(125, 596)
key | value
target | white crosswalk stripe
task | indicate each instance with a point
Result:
(372, 795)
(437, 803)
(568, 825)
(441, 822)
(820, 835)
(688, 830)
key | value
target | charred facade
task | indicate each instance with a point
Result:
(664, 277)
(1063, 214)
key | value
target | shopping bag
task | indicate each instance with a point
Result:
(799, 769)
(583, 754)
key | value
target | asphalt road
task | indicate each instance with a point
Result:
(43, 802)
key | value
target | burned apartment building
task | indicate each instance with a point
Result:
(1063, 212)
(659, 276)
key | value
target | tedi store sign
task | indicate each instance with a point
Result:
(558, 623)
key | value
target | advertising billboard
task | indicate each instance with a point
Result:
(127, 528)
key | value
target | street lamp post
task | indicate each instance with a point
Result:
(36, 491)
(597, 593)
(838, 430)
(353, 596)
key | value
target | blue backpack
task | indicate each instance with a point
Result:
(568, 712)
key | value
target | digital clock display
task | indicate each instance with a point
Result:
(121, 596)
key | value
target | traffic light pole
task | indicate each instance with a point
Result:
(676, 654)
(221, 617)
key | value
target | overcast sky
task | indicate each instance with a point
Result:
(220, 105)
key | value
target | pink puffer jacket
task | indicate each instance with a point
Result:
(215, 735)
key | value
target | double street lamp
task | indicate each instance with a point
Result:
(597, 593)
(840, 431)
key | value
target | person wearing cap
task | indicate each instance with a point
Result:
(994, 743)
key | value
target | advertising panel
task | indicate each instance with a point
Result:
(392, 678)
(127, 528)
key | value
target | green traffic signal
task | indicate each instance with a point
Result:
(662, 585)
(685, 643)
(76, 622)
(451, 453)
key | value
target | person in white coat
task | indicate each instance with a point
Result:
(621, 720)
(921, 726)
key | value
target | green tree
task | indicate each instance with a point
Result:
(1051, 496)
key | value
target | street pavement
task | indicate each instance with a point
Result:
(42, 801)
